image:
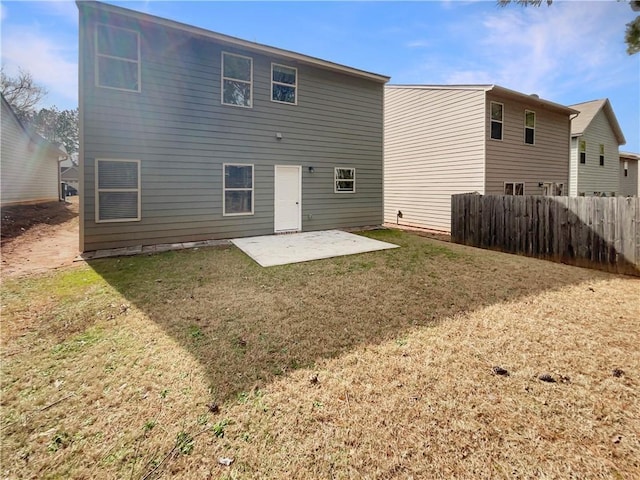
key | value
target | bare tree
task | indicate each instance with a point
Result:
(21, 92)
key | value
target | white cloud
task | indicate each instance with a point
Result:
(418, 44)
(51, 61)
(546, 50)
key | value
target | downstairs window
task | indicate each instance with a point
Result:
(117, 190)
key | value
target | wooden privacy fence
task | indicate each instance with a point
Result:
(594, 232)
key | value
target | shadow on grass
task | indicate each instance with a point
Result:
(248, 325)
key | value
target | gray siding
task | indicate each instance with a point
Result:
(629, 185)
(592, 177)
(510, 159)
(29, 171)
(434, 147)
(182, 134)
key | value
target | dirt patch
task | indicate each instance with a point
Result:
(39, 237)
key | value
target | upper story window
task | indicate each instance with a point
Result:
(626, 168)
(238, 189)
(345, 180)
(237, 80)
(529, 127)
(514, 188)
(117, 58)
(601, 154)
(583, 151)
(117, 190)
(284, 82)
(497, 112)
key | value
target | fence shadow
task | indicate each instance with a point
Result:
(593, 232)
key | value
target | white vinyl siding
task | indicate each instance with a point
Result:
(117, 190)
(117, 63)
(237, 80)
(29, 172)
(592, 176)
(284, 84)
(434, 147)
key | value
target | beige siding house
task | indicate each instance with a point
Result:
(29, 169)
(629, 184)
(444, 140)
(595, 160)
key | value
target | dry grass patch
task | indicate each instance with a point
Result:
(370, 366)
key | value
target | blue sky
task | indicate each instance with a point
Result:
(568, 53)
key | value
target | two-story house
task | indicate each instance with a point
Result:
(595, 139)
(188, 134)
(441, 140)
(30, 164)
(629, 178)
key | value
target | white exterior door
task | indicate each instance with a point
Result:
(288, 198)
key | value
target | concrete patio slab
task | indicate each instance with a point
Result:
(270, 250)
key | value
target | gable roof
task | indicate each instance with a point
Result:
(52, 148)
(588, 111)
(227, 39)
(497, 89)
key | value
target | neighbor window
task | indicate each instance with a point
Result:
(529, 127)
(117, 190)
(117, 58)
(237, 74)
(583, 151)
(497, 112)
(626, 168)
(238, 189)
(284, 81)
(513, 188)
(601, 154)
(345, 180)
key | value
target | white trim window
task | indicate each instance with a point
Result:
(583, 151)
(237, 196)
(237, 80)
(117, 58)
(117, 190)
(514, 188)
(284, 84)
(529, 127)
(345, 180)
(497, 120)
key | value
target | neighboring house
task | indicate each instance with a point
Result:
(629, 183)
(29, 169)
(595, 160)
(69, 177)
(441, 140)
(189, 135)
